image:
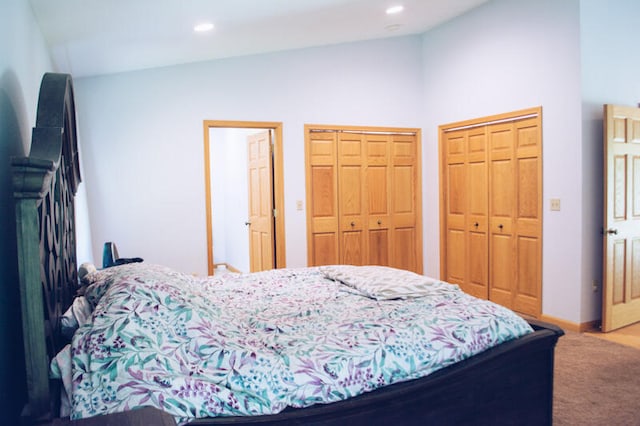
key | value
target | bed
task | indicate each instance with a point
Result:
(507, 378)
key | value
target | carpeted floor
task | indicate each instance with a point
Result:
(596, 382)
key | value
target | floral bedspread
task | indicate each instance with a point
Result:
(257, 343)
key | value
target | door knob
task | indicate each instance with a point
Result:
(247, 223)
(612, 231)
(379, 222)
(476, 224)
(353, 224)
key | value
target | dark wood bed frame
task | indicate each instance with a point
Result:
(509, 384)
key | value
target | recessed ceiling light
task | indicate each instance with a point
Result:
(203, 28)
(395, 9)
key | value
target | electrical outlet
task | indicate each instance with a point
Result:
(555, 204)
(298, 204)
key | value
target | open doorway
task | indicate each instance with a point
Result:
(231, 235)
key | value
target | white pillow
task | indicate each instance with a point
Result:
(385, 283)
(76, 316)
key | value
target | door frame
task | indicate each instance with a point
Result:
(277, 188)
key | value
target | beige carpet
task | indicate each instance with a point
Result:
(596, 382)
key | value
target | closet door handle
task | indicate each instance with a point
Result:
(501, 226)
(476, 225)
(353, 224)
(247, 223)
(379, 222)
(612, 231)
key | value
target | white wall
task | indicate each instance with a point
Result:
(610, 75)
(503, 56)
(23, 60)
(143, 141)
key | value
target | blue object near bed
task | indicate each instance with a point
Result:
(110, 256)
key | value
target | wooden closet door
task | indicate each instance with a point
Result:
(404, 203)
(516, 215)
(491, 235)
(363, 196)
(467, 212)
(322, 199)
(502, 193)
(527, 297)
(477, 223)
(455, 200)
(377, 189)
(351, 203)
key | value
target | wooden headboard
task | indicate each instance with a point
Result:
(44, 185)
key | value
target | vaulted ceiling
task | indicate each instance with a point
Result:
(92, 37)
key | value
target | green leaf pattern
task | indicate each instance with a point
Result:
(250, 344)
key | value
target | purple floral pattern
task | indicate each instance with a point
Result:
(257, 343)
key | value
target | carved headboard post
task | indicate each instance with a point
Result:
(44, 185)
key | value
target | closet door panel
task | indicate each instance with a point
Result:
(528, 138)
(528, 217)
(457, 194)
(378, 185)
(526, 298)
(502, 188)
(501, 269)
(456, 208)
(351, 248)
(403, 194)
(350, 196)
(502, 194)
(379, 247)
(403, 202)
(324, 248)
(377, 190)
(477, 280)
(477, 225)
(352, 213)
(322, 201)
(404, 253)
(456, 256)
(528, 189)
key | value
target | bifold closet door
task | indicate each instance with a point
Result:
(515, 209)
(406, 242)
(322, 199)
(377, 191)
(527, 296)
(491, 229)
(466, 210)
(364, 191)
(363, 196)
(351, 201)
(502, 194)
